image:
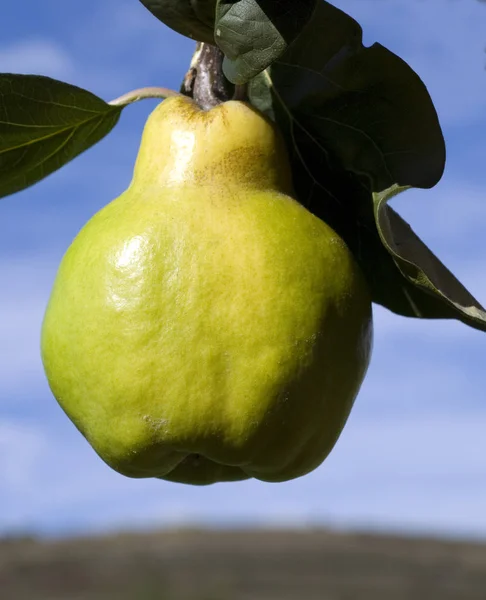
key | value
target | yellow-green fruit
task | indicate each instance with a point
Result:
(205, 326)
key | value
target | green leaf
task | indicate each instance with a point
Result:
(360, 126)
(44, 124)
(254, 33)
(251, 33)
(403, 274)
(193, 18)
(422, 268)
(362, 107)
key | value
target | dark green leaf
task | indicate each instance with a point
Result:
(363, 108)
(44, 124)
(415, 285)
(192, 18)
(359, 120)
(422, 268)
(254, 33)
(251, 33)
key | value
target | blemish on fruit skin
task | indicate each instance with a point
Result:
(156, 424)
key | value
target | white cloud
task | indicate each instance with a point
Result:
(21, 448)
(22, 308)
(453, 209)
(107, 64)
(407, 383)
(37, 56)
(129, 48)
(414, 446)
(40, 56)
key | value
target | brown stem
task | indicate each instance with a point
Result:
(205, 81)
(241, 93)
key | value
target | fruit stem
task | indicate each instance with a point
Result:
(241, 92)
(141, 93)
(205, 82)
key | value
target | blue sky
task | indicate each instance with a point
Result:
(413, 454)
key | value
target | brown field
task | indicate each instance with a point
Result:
(242, 565)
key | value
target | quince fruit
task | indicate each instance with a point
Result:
(205, 326)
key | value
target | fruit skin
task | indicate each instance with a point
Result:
(205, 326)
